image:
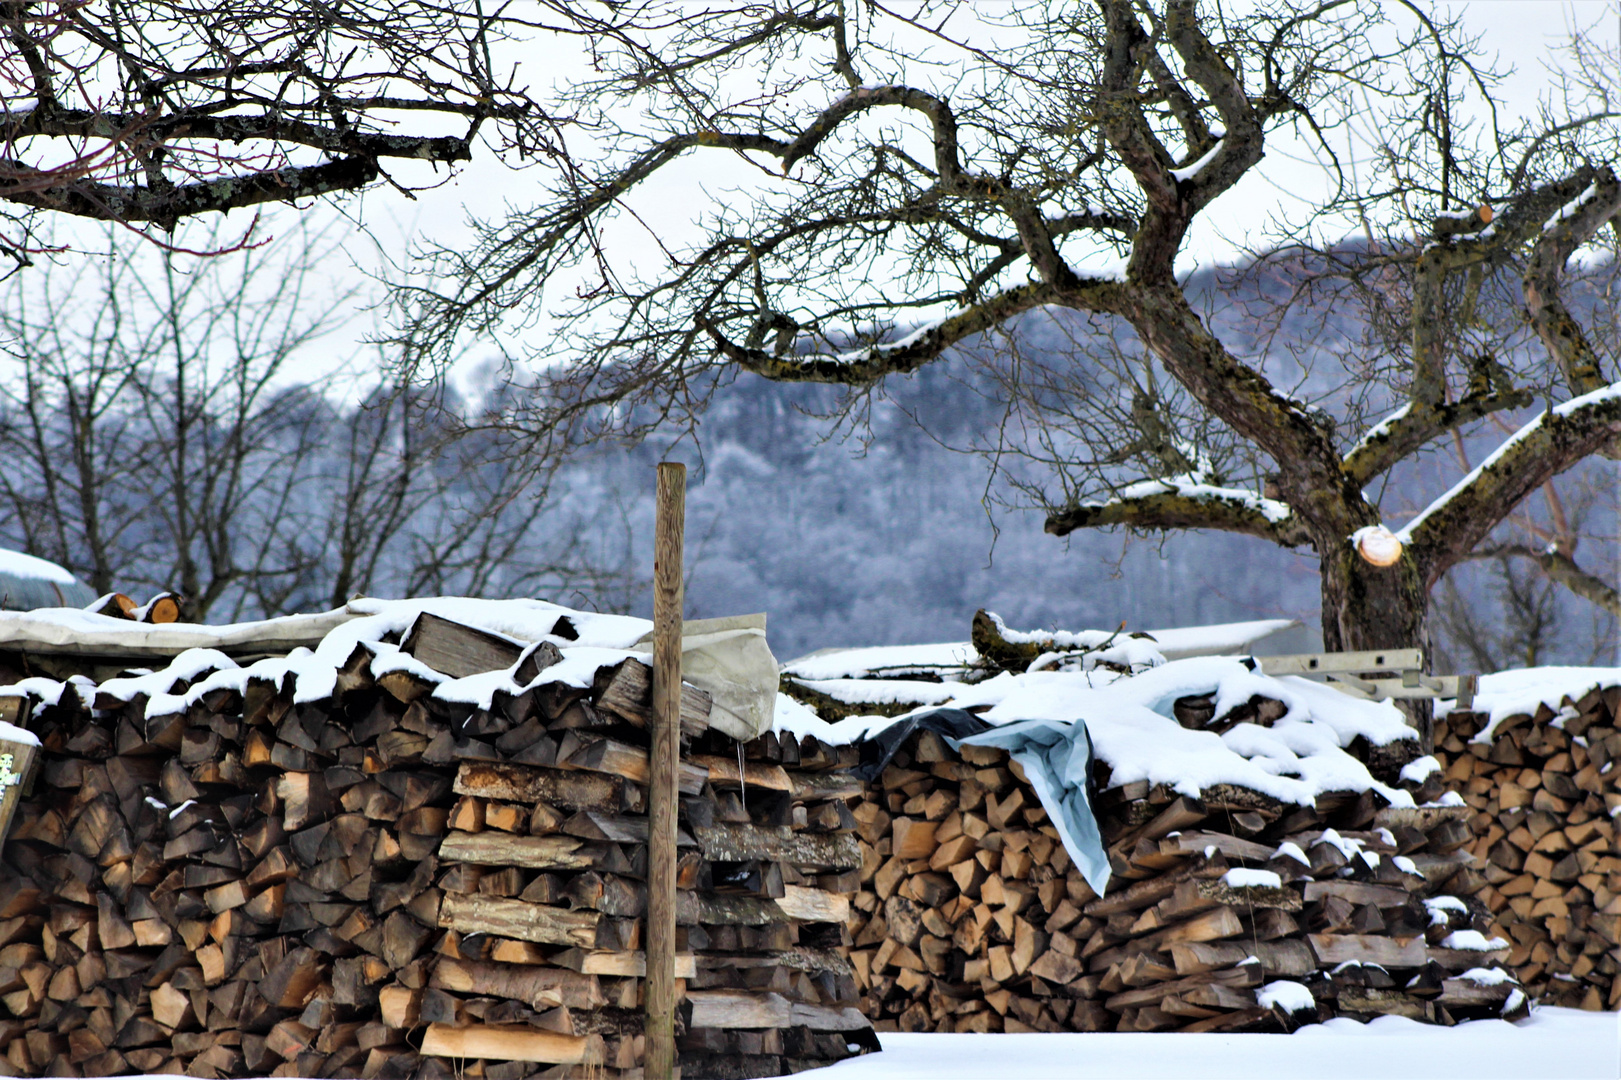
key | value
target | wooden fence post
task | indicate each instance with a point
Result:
(669, 522)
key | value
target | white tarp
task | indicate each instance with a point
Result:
(729, 658)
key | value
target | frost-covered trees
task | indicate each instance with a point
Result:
(1018, 184)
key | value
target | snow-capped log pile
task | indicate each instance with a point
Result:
(1270, 864)
(1538, 761)
(417, 850)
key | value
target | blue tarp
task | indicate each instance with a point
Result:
(1057, 760)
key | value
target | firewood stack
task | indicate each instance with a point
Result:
(383, 881)
(1542, 789)
(971, 916)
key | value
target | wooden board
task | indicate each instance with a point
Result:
(508, 849)
(1331, 949)
(538, 987)
(745, 843)
(619, 963)
(512, 1042)
(457, 650)
(518, 919)
(574, 790)
(814, 905)
(17, 761)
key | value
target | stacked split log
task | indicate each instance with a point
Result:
(971, 916)
(381, 883)
(1543, 792)
(780, 996)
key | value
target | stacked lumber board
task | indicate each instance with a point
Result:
(1541, 784)
(971, 916)
(420, 851)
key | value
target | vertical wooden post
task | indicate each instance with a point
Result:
(669, 523)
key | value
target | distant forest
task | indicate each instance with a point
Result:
(154, 464)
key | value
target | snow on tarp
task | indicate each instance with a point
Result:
(1510, 693)
(1134, 731)
(30, 567)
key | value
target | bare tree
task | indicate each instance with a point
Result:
(154, 111)
(172, 423)
(914, 187)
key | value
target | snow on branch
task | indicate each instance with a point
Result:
(1450, 527)
(1180, 503)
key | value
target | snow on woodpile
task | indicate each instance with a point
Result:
(415, 849)
(1269, 862)
(1538, 761)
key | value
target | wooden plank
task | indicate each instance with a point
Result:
(538, 987)
(1213, 925)
(738, 1009)
(814, 905)
(1323, 663)
(620, 963)
(17, 761)
(1284, 957)
(1230, 846)
(1422, 818)
(508, 849)
(1246, 975)
(664, 758)
(745, 843)
(518, 919)
(823, 1018)
(1331, 949)
(1358, 892)
(573, 790)
(455, 649)
(755, 774)
(512, 1042)
(605, 755)
(719, 909)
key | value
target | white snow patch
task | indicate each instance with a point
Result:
(1488, 976)
(1242, 878)
(1291, 850)
(1473, 940)
(1188, 172)
(1420, 769)
(1291, 997)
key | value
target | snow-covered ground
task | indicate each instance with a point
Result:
(1559, 1044)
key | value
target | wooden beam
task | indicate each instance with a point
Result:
(519, 919)
(512, 1042)
(663, 764)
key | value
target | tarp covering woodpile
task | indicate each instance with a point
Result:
(1269, 862)
(1538, 759)
(416, 849)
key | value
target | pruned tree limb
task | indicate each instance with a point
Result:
(1562, 568)
(1451, 527)
(1412, 426)
(1555, 325)
(1185, 506)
